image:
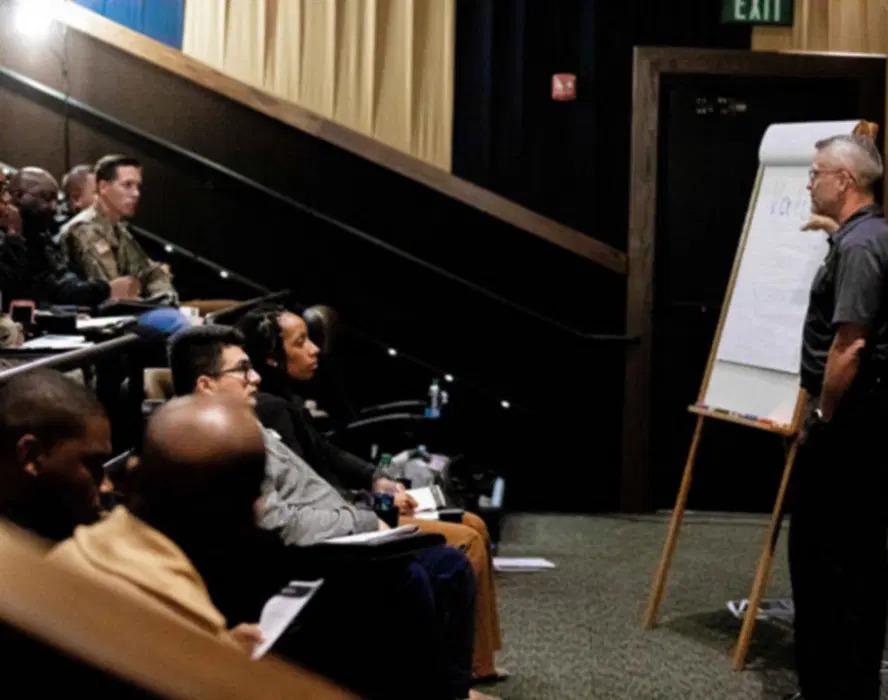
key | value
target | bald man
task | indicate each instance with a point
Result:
(38, 269)
(194, 446)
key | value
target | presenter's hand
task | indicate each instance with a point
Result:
(382, 526)
(818, 222)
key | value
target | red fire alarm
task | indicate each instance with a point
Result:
(564, 87)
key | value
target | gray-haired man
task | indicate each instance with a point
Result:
(837, 550)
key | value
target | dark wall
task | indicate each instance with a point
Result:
(565, 389)
(568, 160)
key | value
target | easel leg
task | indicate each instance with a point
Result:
(659, 584)
(763, 571)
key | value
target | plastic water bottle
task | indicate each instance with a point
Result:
(390, 470)
(433, 409)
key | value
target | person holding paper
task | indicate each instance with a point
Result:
(151, 551)
(304, 509)
(278, 344)
(837, 547)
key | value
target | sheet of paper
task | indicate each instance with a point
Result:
(374, 537)
(763, 327)
(280, 611)
(56, 342)
(85, 324)
(427, 515)
(425, 499)
(515, 564)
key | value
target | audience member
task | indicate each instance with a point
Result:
(33, 266)
(304, 508)
(11, 334)
(10, 220)
(277, 343)
(54, 439)
(193, 446)
(97, 240)
(79, 192)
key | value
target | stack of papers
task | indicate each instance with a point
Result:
(521, 564)
(375, 537)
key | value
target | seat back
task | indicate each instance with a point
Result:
(323, 326)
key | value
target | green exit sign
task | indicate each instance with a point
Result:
(757, 11)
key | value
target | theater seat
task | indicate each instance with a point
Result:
(393, 426)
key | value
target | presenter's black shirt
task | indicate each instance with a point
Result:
(849, 287)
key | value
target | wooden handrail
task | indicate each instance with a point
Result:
(174, 61)
(72, 612)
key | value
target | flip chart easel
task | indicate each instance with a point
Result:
(751, 377)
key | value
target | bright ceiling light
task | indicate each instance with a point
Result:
(33, 17)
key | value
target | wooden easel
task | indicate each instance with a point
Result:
(790, 431)
(763, 570)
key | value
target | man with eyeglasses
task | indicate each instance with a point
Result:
(303, 509)
(837, 547)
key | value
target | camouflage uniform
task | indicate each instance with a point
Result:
(99, 249)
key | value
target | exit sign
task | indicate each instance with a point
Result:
(757, 11)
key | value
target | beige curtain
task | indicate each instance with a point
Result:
(204, 31)
(381, 67)
(830, 25)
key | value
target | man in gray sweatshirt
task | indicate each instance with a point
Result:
(304, 509)
(298, 503)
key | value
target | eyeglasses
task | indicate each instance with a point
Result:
(243, 368)
(813, 174)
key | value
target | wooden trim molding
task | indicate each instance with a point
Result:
(174, 61)
(651, 63)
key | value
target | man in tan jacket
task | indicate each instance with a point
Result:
(194, 446)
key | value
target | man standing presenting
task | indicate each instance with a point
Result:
(837, 547)
(97, 241)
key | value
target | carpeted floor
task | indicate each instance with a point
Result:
(576, 632)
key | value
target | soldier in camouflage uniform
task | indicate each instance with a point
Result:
(97, 241)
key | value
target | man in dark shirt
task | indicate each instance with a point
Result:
(54, 439)
(35, 267)
(837, 548)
